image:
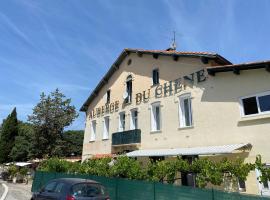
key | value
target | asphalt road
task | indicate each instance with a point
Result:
(18, 191)
(1, 190)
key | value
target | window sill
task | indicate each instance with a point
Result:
(104, 139)
(159, 131)
(254, 117)
(91, 141)
(186, 127)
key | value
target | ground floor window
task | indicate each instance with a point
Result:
(93, 131)
(185, 111)
(134, 119)
(106, 126)
(155, 117)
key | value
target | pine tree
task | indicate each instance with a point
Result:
(8, 133)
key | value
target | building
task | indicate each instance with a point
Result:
(161, 104)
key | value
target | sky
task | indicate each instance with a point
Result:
(70, 44)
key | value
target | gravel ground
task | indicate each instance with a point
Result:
(18, 191)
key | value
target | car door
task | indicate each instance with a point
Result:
(88, 191)
(47, 191)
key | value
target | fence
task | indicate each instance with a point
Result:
(123, 189)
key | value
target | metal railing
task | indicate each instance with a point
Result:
(126, 137)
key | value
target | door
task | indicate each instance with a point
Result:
(52, 191)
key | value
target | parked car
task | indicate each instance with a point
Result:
(71, 189)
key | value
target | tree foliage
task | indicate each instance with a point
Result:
(22, 149)
(9, 131)
(50, 116)
(206, 170)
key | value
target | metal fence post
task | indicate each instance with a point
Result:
(213, 194)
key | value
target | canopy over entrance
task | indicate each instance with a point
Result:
(208, 150)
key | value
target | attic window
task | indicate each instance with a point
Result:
(129, 61)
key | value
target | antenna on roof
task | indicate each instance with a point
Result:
(173, 44)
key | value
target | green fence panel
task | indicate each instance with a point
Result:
(123, 189)
(168, 192)
(109, 183)
(37, 181)
(220, 195)
(131, 189)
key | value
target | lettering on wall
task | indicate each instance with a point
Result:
(167, 89)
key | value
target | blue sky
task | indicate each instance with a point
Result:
(70, 44)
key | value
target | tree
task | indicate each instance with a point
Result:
(50, 116)
(73, 142)
(9, 131)
(22, 148)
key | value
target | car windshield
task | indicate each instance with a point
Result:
(87, 190)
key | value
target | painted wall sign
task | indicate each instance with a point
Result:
(167, 89)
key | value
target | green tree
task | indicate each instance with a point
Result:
(8, 133)
(50, 116)
(22, 148)
(73, 143)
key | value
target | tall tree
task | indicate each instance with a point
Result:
(50, 116)
(9, 131)
(22, 149)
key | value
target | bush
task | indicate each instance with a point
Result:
(206, 170)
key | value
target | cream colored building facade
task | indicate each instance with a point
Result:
(167, 103)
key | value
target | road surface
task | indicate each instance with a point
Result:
(18, 191)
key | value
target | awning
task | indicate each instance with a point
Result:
(208, 150)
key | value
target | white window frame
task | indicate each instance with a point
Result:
(122, 122)
(153, 117)
(258, 105)
(93, 130)
(182, 118)
(132, 119)
(106, 128)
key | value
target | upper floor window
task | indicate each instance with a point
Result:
(185, 111)
(134, 119)
(155, 117)
(255, 104)
(128, 98)
(108, 96)
(106, 126)
(93, 130)
(155, 76)
(122, 121)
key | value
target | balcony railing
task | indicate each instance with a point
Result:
(126, 137)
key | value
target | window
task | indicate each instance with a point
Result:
(134, 119)
(93, 131)
(256, 104)
(155, 76)
(108, 96)
(50, 187)
(185, 112)
(129, 89)
(155, 117)
(59, 187)
(87, 190)
(122, 121)
(106, 126)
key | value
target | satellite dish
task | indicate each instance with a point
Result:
(125, 95)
